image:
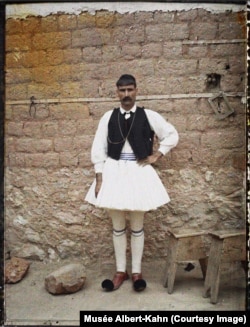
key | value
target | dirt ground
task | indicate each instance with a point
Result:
(28, 302)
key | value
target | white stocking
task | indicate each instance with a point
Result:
(137, 239)
(119, 238)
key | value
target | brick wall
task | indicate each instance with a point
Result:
(60, 78)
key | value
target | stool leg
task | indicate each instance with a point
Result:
(203, 264)
(171, 277)
(171, 265)
(215, 287)
(165, 282)
(213, 270)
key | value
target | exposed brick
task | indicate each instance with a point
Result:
(29, 145)
(90, 37)
(177, 67)
(67, 22)
(31, 25)
(49, 23)
(82, 142)
(71, 111)
(14, 129)
(52, 40)
(50, 129)
(142, 18)
(14, 60)
(151, 50)
(163, 17)
(203, 31)
(13, 26)
(237, 64)
(135, 33)
(85, 126)
(39, 90)
(70, 89)
(68, 159)
(222, 50)
(67, 127)
(223, 139)
(195, 51)
(20, 42)
(43, 160)
(218, 160)
(34, 58)
(71, 56)
(10, 144)
(239, 161)
(32, 129)
(230, 83)
(172, 49)
(55, 57)
(131, 51)
(39, 111)
(124, 19)
(92, 54)
(15, 159)
(85, 20)
(18, 75)
(213, 65)
(231, 31)
(16, 91)
(104, 19)
(8, 112)
(111, 53)
(51, 74)
(84, 160)
(155, 33)
(176, 31)
(186, 16)
(62, 144)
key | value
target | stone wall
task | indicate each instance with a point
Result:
(61, 71)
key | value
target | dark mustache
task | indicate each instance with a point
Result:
(126, 98)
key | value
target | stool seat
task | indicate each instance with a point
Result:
(226, 246)
(184, 246)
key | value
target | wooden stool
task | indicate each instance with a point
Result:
(186, 246)
(226, 246)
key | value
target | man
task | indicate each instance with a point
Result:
(126, 184)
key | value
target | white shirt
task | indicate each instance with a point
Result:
(166, 133)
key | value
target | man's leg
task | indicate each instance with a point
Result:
(120, 247)
(119, 238)
(137, 239)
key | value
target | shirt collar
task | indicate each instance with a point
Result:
(132, 109)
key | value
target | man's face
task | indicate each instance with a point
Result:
(127, 95)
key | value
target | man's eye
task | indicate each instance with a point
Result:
(124, 90)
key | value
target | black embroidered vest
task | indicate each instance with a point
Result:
(140, 136)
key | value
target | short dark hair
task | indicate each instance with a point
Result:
(126, 79)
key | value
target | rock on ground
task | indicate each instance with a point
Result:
(67, 279)
(15, 270)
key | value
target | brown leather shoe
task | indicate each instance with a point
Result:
(139, 283)
(119, 278)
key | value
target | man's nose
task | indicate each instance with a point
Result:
(126, 92)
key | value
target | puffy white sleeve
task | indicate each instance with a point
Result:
(100, 146)
(165, 131)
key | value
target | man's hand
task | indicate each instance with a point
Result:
(150, 159)
(98, 177)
